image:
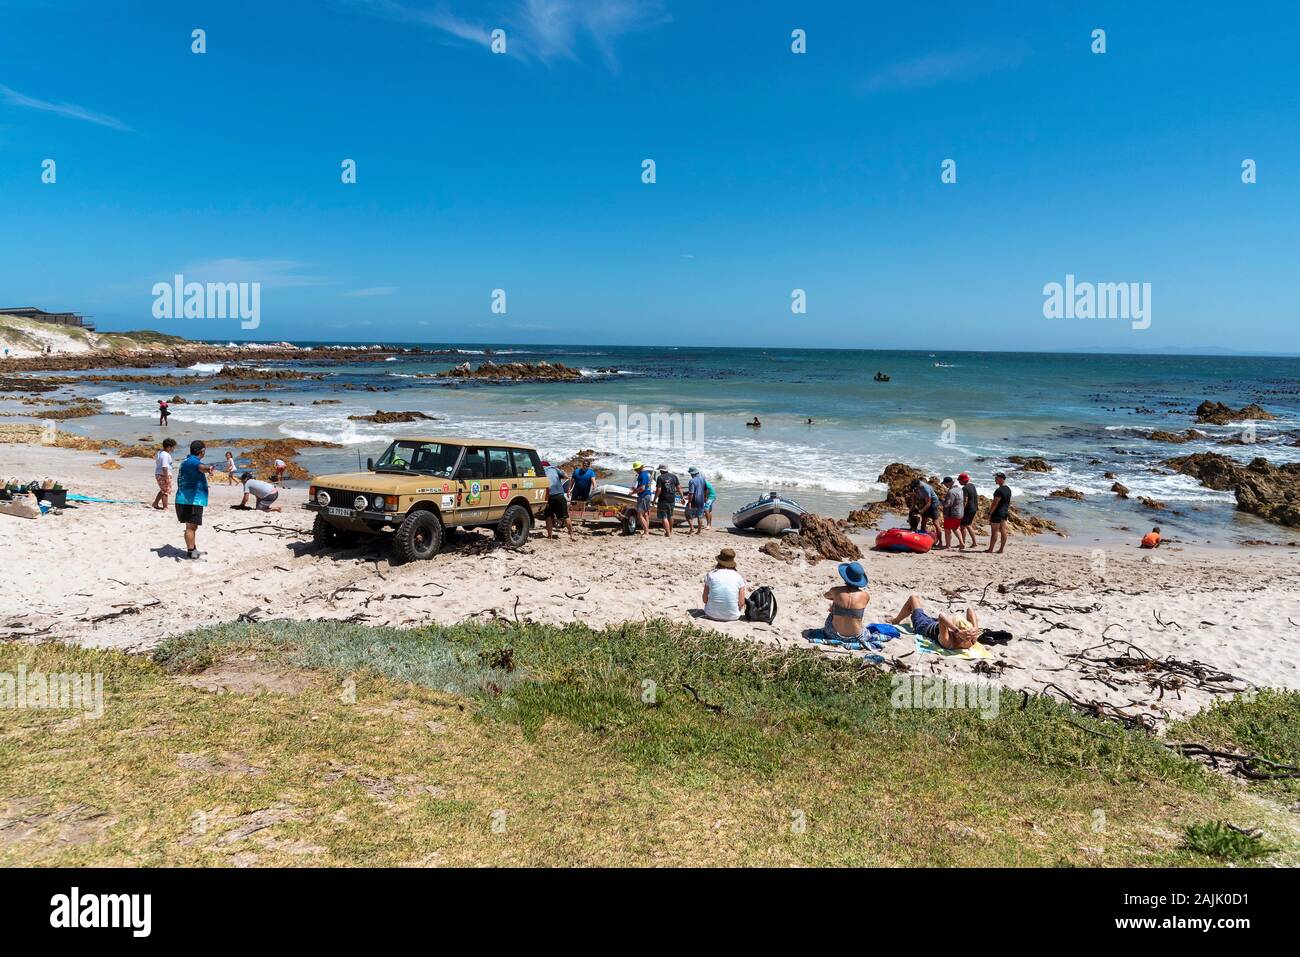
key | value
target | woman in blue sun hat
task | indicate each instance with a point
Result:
(848, 604)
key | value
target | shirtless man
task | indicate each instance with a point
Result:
(948, 631)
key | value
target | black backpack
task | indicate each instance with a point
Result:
(760, 605)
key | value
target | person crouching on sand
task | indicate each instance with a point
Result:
(848, 604)
(1152, 538)
(950, 632)
(724, 589)
(264, 493)
(163, 473)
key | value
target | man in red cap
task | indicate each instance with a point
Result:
(972, 506)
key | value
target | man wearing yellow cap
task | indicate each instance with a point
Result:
(644, 490)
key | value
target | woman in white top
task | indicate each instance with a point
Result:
(724, 589)
(162, 472)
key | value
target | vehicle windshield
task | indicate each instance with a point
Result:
(423, 458)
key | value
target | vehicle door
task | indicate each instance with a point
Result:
(471, 487)
(501, 482)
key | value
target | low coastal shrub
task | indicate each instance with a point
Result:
(343, 648)
(1226, 842)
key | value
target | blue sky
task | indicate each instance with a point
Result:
(775, 171)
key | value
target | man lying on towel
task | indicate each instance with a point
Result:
(949, 632)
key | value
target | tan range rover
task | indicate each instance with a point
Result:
(422, 486)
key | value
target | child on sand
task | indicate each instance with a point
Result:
(231, 478)
(1152, 538)
(163, 473)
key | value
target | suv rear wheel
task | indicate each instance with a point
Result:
(514, 526)
(418, 537)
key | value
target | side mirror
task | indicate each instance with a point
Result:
(370, 465)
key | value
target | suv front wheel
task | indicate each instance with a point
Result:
(418, 537)
(514, 526)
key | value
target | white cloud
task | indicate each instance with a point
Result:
(542, 30)
(70, 110)
(940, 66)
(271, 273)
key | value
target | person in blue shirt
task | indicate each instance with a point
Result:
(644, 490)
(697, 494)
(584, 482)
(192, 494)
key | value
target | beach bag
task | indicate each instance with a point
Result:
(760, 605)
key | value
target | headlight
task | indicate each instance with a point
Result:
(360, 503)
(322, 498)
(379, 503)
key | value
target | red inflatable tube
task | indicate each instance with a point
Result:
(904, 540)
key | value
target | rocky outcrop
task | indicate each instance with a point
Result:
(899, 478)
(1269, 491)
(586, 455)
(1119, 489)
(1030, 463)
(512, 372)
(389, 418)
(1175, 438)
(1216, 413)
(241, 372)
(1069, 493)
(191, 353)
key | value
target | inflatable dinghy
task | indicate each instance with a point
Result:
(904, 540)
(771, 515)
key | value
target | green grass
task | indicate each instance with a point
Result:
(1221, 840)
(1266, 724)
(493, 744)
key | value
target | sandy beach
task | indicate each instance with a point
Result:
(115, 576)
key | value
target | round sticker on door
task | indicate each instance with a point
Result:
(505, 492)
(474, 489)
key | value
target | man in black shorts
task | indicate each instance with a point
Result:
(666, 488)
(192, 495)
(999, 513)
(557, 500)
(971, 498)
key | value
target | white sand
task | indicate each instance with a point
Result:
(1237, 610)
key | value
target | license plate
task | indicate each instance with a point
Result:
(340, 512)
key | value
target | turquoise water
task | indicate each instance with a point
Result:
(945, 412)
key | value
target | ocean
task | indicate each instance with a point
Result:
(942, 412)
